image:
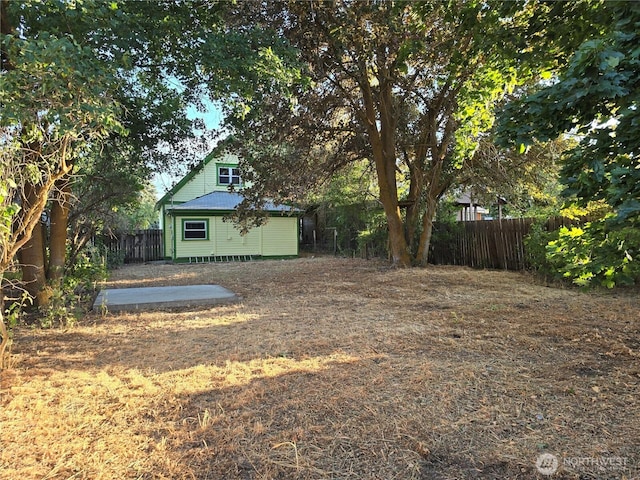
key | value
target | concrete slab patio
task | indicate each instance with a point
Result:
(127, 299)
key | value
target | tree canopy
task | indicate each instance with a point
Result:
(81, 76)
(410, 87)
(595, 99)
(120, 76)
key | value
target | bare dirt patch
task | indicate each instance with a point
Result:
(331, 368)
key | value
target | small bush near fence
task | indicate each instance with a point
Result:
(590, 254)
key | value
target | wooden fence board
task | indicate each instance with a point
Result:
(487, 243)
(139, 246)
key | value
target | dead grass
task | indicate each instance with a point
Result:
(330, 369)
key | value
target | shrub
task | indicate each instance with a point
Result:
(536, 248)
(68, 300)
(373, 239)
(112, 258)
(596, 253)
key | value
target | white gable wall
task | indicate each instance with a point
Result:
(206, 180)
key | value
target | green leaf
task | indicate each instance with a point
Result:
(613, 61)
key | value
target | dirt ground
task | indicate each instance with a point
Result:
(332, 369)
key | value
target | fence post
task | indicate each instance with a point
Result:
(145, 245)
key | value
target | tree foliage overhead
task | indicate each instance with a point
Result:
(125, 65)
(55, 102)
(409, 87)
(527, 183)
(77, 77)
(145, 51)
(597, 99)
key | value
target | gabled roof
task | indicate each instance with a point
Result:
(465, 199)
(218, 150)
(224, 202)
(192, 173)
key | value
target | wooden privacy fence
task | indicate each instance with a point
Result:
(487, 243)
(138, 246)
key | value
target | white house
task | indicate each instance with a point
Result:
(470, 209)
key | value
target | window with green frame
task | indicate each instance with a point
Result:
(228, 175)
(195, 229)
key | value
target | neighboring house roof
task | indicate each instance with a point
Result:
(465, 199)
(224, 202)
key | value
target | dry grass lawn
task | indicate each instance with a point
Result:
(331, 369)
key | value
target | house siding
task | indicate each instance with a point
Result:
(280, 236)
(172, 232)
(167, 237)
(230, 242)
(205, 181)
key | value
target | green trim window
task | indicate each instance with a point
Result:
(195, 229)
(228, 175)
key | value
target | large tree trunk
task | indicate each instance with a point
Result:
(59, 223)
(32, 255)
(397, 244)
(383, 143)
(398, 248)
(33, 266)
(413, 208)
(427, 228)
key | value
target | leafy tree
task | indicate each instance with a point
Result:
(409, 87)
(349, 203)
(105, 188)
(53, 99)
(528, 183)
(140, 214)
(161, 60)
(596, 99)
(79, 76)
(149, 111)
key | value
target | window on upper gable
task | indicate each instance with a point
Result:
(228, 175)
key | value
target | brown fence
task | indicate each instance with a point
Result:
(487, 243)
(136, 247)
